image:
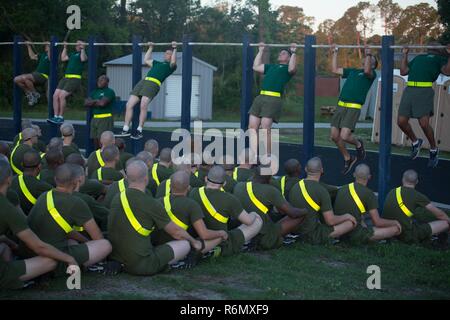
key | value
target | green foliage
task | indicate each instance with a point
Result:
(444, 13)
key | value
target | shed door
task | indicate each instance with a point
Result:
(173, 97)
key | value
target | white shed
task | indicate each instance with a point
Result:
(167, 104)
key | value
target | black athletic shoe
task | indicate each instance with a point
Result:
(137, 136)
(123, 134)
(348, 165)
(360, 152)
(434, 159)
(415, 149)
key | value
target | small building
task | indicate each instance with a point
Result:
(167, 104)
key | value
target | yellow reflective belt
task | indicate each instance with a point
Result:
(44, 75)
(72, 76)
(98, 153)
(209, 207)
(255, 200)
(102, 116)
(153, 80)
(131, 218)
(235, 174)
(99, 174)
(16, 170)
(349, 105)
(55, 214)
(420, 84)
(167, 187)
(25, 191)
(121, 184)
(168, 208)
(283, 185)
(270, 93)
(155, 174)
(307, 197)
(398, 193)
(356, 198)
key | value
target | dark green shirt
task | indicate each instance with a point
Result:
(74, 210)
(13, 197)
(94, 188)
(161, 70)
(426, 67)
(243, 174)
(113, 190)
(75, 65)
(124, 157)
(43, 63)
(225, 203)
(129, 247)
(11, 219)
(101, 93)
(35, 187)
(92, 163)
(357, 85)
(68, 150)
(106, 174)
(99, 211)
(345, 204)
(289, 182)
(230, 183)
(162, 172)
(48, 176)
(17, 155)
(276, 77)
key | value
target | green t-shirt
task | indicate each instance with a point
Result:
(73, 210)
(202, 173)
(161, 70)
(426, 67)
(40, 146)
(92, 163)
(289, 182)
(17, 155)
(186, 210)
(195, 182)
(94, 188)
(106, 174)
(36, 188)
(267, 194)
(412, 199)
(43, 63)
(162, 172)
(124, 157)
(99, 211)
(230, 183)
(13, 197)
(162, 189)
(48, 176)
(68, 150)
(276, 77)
(356, 86)
(99, 94)
(345, 204)
(11, 219)
(243, 174)
(129, 247)
(320, 196)
(75, 65)
(113, 190)
(225, 203)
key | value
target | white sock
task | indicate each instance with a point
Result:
(139, 129)
(433, 150)
(416, 143)
(60, 116)
(126, 128)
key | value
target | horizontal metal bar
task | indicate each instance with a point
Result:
(345, 46)
(417, 47)
(277, 45)
(36, 43)
(6, 43)
(231, 44)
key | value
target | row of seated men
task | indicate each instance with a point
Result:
(143, 213)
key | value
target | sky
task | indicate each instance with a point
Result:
(333, 9)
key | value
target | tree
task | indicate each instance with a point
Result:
(444, 13)
(295, 24)
(390, 13)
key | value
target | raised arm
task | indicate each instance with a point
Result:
(404, 69)
(446, 69)
(292, 68)
(368, 63)
(173, 60)
(334, 64)
(148, 55)
(83, 55)
(31, 53)
(258, 65)
(64, 55)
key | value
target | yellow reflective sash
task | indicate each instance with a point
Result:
(196, 173)
(16, 170)
(406, 211)
(72, 76)
(168, 208)
(42, 155)
(20, 139)
(155, 174)
(419, 84)
(25, 191)
(283, 184)
(307, 197)
(255, 200)
(98, 153)
(44, 75)
(99, 174)
(235, 174)
(270, 93)
(153, 80)
(56, 215)
(102, 116)
(121, 184)
(356, 198)
(209, 207)
(349, 105)
(131, 218)
(167, 187)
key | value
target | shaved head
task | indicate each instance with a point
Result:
(76, 158)
(314, 166)
(4, 149)
(55, 143)
(129, 161)
(185, 167)
(67, 130)
(260, 174)
(26, 123)
(166, 155)
(146, 157)
(31, 159)
(292, 167)
(137, 171)
(54, 158)
(110, 153)
(65, 175)
(217, 174)
(179, 182)
(28, 133)
(362, 171)
(410, 177)
(107, 139)
(152, 146)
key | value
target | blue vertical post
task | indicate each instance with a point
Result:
(52, 82)
(309, 98)
(186, 90)
(92, 84)
(136, 77)
(387, 82)
(247, 80)
(17, 92)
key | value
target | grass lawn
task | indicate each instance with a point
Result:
(299, 271)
